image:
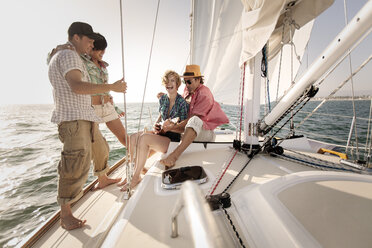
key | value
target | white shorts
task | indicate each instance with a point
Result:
(201, 134)
(106, 112)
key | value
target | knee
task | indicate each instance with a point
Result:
(143, 139)
(133, 138)
(194, 125)
(190, 133)
(195, 119)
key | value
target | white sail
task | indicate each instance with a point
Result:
(217, 45)
(227, 33)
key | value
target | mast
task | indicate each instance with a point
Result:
(357, 29)
(191, 31)
(252, 101)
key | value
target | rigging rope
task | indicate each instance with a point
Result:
(305, 96)
(291, 125)
(295, 104)
(288, 21)
(241, 100)
(335, 90)
(280, 67)
(128, 167)
(148, 65)
(293, 114)
(233, 227)
(366, 155)
(147, 74)
(369, 149)
(214, 186)
(240, 172)
(242, 103)
(264, 73)
(352, 86)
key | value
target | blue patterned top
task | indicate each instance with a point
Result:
(180, 108)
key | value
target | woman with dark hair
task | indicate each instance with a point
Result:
(103, 103)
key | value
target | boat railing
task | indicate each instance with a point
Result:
(38, 233)
(203, 226)
(362, 123)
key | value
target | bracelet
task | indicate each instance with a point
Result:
(175, 120)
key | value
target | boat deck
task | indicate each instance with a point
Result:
(99, 208)
(267, 182)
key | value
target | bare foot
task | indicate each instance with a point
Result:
(133, 184)
(122, 183)
(71, 223)
(169, 161)
(104, 181)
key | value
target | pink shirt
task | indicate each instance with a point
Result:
(206, 108)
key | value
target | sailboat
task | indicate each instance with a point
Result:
(259, 190)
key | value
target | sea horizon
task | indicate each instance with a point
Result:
(337, 98)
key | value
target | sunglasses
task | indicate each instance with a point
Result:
(188, 81)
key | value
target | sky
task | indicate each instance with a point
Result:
(325, 29)
(34, 27)
(30, 29)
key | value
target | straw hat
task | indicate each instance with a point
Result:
(192, 71)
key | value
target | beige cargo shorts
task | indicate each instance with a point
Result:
(201, 134)
(82, 143)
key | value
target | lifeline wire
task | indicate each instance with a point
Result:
(147, 74)
(123, 68)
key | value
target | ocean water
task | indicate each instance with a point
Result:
(30, 151)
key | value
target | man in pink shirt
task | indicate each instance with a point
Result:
(205, 114)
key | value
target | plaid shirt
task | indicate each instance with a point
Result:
(180, 108)
(68, 105)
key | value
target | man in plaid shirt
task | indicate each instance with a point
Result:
(77, 121)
